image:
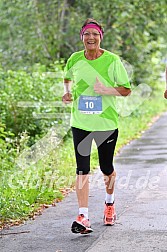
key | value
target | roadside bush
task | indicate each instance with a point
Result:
(28, 98)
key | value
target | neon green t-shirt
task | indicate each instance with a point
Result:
(91, 111)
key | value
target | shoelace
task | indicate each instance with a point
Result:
(109, 211)
(84, 221)
(80, 217)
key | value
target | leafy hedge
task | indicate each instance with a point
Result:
(26, 98)
(28, 111)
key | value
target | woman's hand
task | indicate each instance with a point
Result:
(99, 88)
(67, 98)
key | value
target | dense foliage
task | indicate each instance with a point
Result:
(26, 98)
(43, 31)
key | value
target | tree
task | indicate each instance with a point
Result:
(44, 31)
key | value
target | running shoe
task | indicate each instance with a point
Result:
(81, 225)
(109, 214)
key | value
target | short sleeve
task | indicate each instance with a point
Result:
(120, 74)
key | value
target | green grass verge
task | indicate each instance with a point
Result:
(23, 191)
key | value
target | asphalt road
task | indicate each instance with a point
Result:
(141, 205)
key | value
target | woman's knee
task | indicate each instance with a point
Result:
(84, 171)
(108, 171)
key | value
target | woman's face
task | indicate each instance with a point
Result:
(91, 39)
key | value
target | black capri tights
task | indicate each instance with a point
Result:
(105, 141)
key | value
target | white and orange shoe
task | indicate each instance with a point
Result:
(109, 214)
(81, 225)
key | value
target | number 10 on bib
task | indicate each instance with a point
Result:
(90, 104)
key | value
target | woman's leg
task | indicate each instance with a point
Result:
(106, 142)
(82, 145)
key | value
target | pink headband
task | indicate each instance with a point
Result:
(91, 26)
